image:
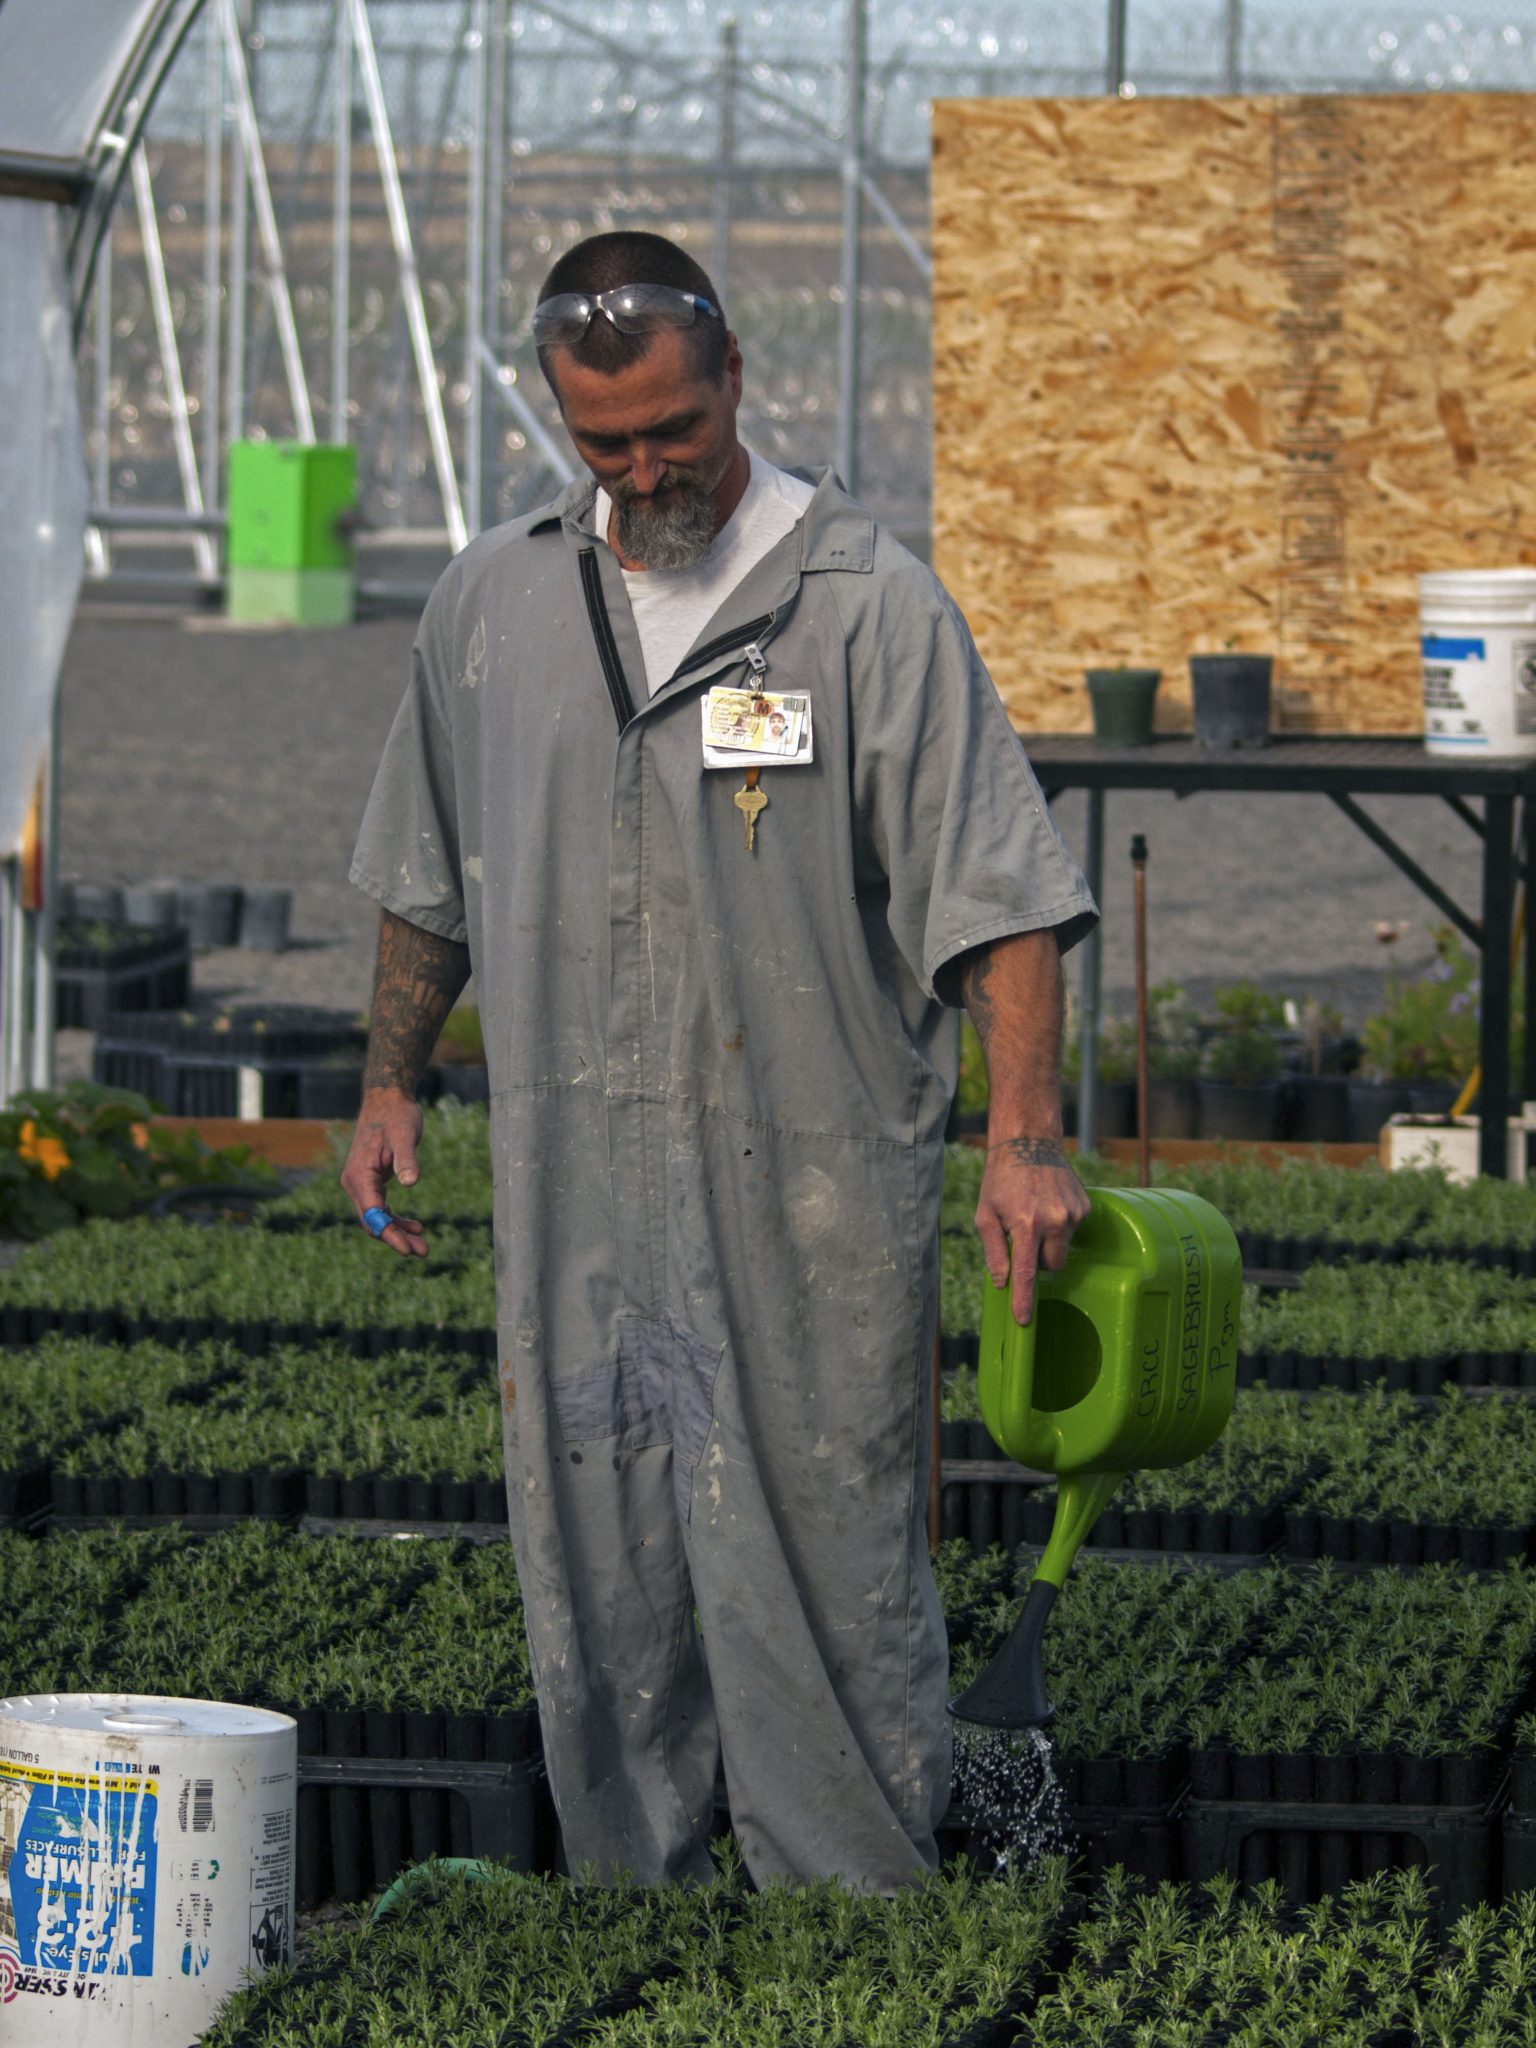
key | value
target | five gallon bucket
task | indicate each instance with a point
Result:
(146, 1864)
(1478, 641)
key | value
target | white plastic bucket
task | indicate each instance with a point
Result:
(1478, 647)
(146, 1864)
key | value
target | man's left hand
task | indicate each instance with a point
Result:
(1032, 1201)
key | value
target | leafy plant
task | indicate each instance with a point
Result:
(85, 1150)
(1427, 1029)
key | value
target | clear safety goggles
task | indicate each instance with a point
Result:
(633, 309)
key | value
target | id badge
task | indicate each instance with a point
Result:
(756, 728)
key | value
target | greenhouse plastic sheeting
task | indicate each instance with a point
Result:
(60, 63)
(42, 495)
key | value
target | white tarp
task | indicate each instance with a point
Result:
(43, 495)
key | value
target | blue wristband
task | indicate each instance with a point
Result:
(377, 1221)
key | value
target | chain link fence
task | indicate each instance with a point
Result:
(518, 129)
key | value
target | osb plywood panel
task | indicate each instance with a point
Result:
(1229, 370)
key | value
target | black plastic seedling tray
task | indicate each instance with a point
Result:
(1312, 1847)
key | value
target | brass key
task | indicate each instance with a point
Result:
(749, 802)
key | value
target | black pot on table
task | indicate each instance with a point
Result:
(1240, 1109)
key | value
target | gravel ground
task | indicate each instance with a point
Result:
(193, 750)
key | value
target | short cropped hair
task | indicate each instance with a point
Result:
(630, 256)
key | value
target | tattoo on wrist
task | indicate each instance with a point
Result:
(418, 979)
(1033, 1152)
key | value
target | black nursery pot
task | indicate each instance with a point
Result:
(1231, 699)
(1229, 1109)
(1371, 1104)
(1173, 1108)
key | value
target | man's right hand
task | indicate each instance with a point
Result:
(384, 1147)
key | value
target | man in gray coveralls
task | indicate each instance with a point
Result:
(717, 955)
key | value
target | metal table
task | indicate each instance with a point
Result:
(1343, 770)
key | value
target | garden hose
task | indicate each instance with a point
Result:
(473, 1867)
(1475, 1079)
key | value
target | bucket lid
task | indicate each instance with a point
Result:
(143, 1714)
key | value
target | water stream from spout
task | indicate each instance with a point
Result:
(1005, 1783)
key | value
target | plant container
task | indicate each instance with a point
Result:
(1316, 1109)
(264, 919)
(210, 912)
(1232, 1109)
(1122, 700)
(1173, 1108)
(1373, 1104)
(1231, 699)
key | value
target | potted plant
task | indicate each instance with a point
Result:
(1115, 1100)
(1240, 1066)
(1122, 702)
(1173, 1063)
(1317, 1094)
(1420, 1046)
(1230, 694)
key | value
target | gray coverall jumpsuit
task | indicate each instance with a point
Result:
(719, 1082)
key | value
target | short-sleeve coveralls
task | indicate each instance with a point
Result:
(719, 1081)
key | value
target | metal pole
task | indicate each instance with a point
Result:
(45, 920)
(341, 224)
(1114, 63)
(725, 160)
(1528, 996)
(504, 384)
(170, 358)
(1499, 854)
(1088, 985)
(266, 227)
(410, 281)
(497, 109)
(853, 176)
(15, 1021)
(474, 273)
(213, 223)
(239, 267)
(98, 548)
(1143, 1118)
(1234, 77)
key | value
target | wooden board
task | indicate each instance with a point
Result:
(1229, 370)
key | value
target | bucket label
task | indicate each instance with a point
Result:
(1435, 647)
(78, 1850)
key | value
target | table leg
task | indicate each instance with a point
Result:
(1088, 984)
(1528, 1004)
(1498, 909)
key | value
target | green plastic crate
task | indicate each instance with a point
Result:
(283, 502)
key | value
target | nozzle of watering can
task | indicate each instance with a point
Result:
(1129, 1362)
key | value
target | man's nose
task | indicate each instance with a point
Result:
(647, 470)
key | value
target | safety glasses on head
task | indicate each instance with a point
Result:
(632, 308)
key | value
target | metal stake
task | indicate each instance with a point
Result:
(1114, 63)
(1143, 1120)
(1088, 982)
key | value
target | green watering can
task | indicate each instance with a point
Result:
(1130, 1361)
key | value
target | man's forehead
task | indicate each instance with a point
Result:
(658, 386)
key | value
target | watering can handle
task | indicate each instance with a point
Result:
(1012, 1346)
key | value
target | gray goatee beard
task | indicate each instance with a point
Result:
(671, 529)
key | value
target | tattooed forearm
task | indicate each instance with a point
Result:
(416, 983)
(975, 973)
(1032, 1151)
(1013, 991)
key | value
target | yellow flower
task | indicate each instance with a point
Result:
(140, 1135)
(41, 1150)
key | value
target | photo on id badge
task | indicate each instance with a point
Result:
(755, 722)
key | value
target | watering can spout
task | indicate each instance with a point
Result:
(1010, 1693)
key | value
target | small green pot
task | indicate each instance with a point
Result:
(1122, 705)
